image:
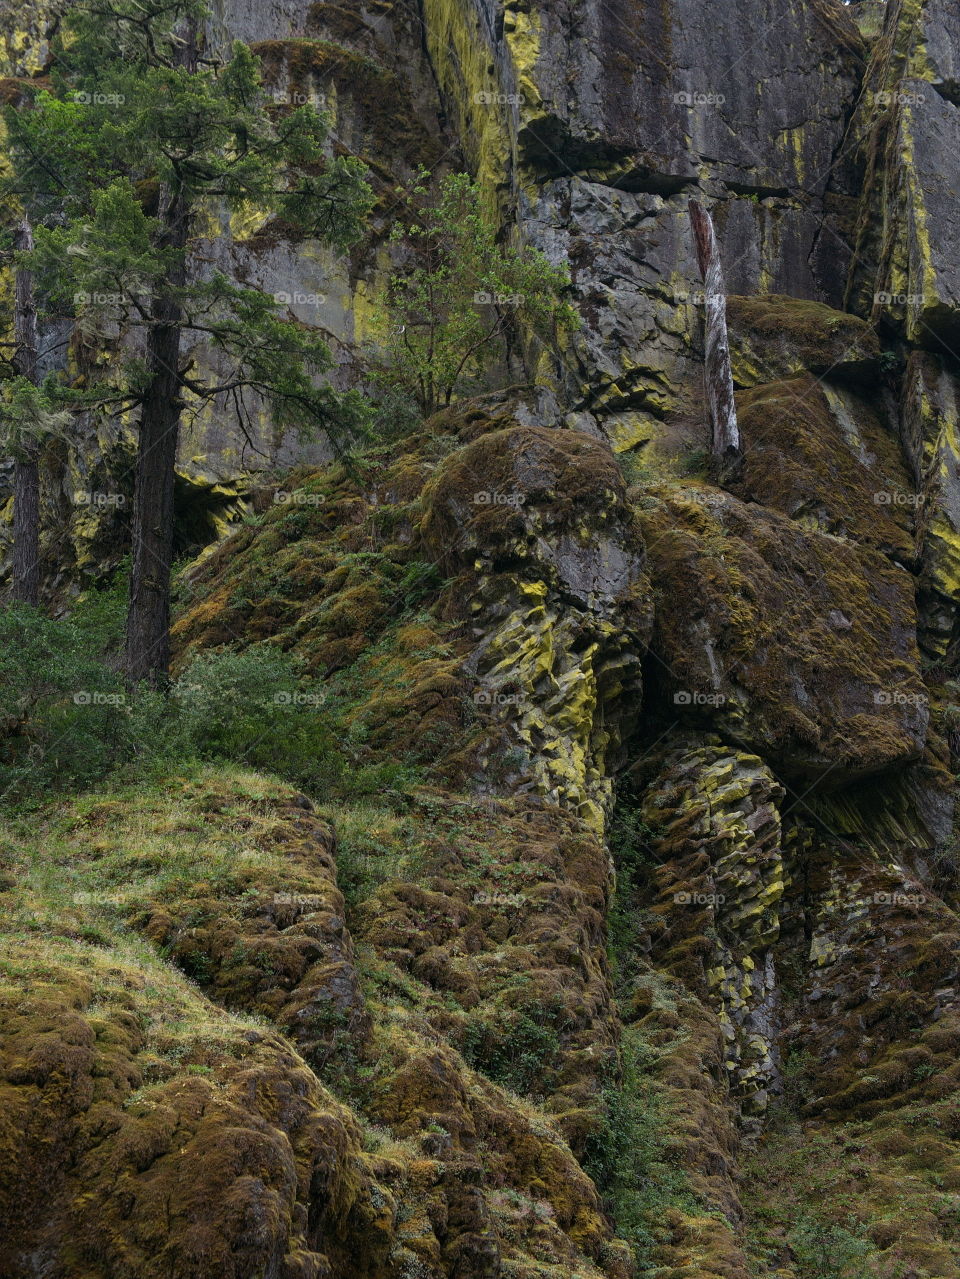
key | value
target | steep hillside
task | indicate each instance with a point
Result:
(619, 931)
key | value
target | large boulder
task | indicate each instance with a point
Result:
(794, 644)
(774, 337)
(820, 454)
(536, 523)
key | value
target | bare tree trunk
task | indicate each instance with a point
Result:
(26, 470)
(718, 378)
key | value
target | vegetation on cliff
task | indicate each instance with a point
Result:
(540, 862)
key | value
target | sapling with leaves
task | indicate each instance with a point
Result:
(141, 138)
(460, 296)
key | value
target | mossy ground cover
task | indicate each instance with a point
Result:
(141, 1123)
(230, 875)
(99, 856)
(853, 1201)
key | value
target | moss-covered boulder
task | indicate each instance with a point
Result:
(796, 645)
(146, 1133)
(469, 1032)
(536, 527)
(820, 454)
(773, 337)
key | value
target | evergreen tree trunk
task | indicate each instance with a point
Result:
(26, 529)
(147, 656)
(148, 616)
(718, 378)
(26, 471)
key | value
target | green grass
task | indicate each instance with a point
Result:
(81, 867)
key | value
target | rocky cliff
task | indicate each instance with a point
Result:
(655, 970)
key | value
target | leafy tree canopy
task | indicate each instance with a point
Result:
(460, 295)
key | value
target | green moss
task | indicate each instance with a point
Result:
(773, 337)
(801, 631)
(823, 458)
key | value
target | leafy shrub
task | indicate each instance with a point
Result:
(67, 720)
(627, 1154)
(254, 707)
(830, 1252)
(461, 298)
(62, 710)
(631, 847)
(100, 615)
(521, 1050)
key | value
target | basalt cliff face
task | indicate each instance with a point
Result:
(656, 972)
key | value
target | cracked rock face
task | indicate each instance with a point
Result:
(722, 877)
(619, 112)
(556, 573)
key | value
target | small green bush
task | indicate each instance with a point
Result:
(631, 845)
(824, 1251)
(254, 707)
(67, 720)
(521, 1050)
(628, 1157)
(63, 712)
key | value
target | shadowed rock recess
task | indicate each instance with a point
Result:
(647, 960)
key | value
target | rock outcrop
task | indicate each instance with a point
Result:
(645, 954)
